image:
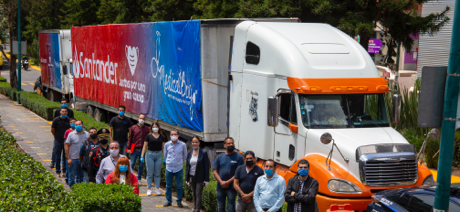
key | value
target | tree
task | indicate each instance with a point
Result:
(208, 9)
(123, 11)
(80, 13)
(168, 10)
(271, 8)
(43, 14)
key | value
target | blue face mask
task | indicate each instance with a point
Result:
(72, 126)
(64, 116)
(268, 172)
(121, 113)
(123, 169)
(196, 148)
(303, 172)
(78, 128)
(64, 105)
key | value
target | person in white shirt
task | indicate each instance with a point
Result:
(72, 150)
(108, 164)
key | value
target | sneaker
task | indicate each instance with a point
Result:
(158, 192)
(167, 204)
(60, 175)
(52, 166)
(149, 192)
(180, 205)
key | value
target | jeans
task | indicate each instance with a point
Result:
(230, 195)
(169, 182)
(153, 160)
(134, 156)
(75, 172)
(197, 191)
(242, 206)
(123, 148)
(85, 176)
(59, 147)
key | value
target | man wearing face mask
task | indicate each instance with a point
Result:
(64, 103)
(98, 153)
(175, 153)
(245, 181)
(58, 127)
(120, 126)
(85, 151)
(72, 147)
(137, 138)
(108, 164)
(269, 190)
(224, 169)
(301, 190)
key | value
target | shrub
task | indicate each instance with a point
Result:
(102, 197)
(89, 121)
(25, 183)
(209, 197)
(2, 79)
(38, 104)
(412, 137)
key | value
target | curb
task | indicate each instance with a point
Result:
(36, 68)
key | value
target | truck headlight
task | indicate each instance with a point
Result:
(429, 181)
(343, 186)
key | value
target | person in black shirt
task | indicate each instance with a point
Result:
(245, 181)
(98, 153)
(155, 141)
(58, 127)
(64, 103)
(120, 126)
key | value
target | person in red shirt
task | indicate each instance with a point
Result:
(122, 174)
(136, 142)
(71, 129)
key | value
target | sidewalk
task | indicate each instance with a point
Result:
(34, 136)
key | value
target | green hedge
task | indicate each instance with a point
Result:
(25, 183)
(102, 197)
(2, 79)
(38, 104)
(89, 121)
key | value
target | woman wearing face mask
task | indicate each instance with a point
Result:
(197, 172)
(155, 142)
(123, 175)
(109, 163)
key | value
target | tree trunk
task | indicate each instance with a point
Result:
(13, 77)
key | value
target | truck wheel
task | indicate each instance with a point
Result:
(100, 115)
(90, 110)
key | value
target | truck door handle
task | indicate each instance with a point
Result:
(277, 153)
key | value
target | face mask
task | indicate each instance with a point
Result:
(121, 113)
(174, 138)
(93, 136)
(141, 121)
(64, 116)
(72, 126)
(78, 128)
(123, 169)
(268, 172)
(114, 152)
(64, 105)
(155, 130)
(303, 172)
(249, 163)
(196, 148)
(231, 148)
(104, 141)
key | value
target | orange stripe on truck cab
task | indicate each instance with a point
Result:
(338, 85)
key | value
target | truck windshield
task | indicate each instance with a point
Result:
(343, 111)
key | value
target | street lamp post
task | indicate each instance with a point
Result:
(19, 45)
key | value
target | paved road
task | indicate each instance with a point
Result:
(28, 77)
(35, 138)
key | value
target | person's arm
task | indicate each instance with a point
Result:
(163, 146)
(280, 200)
(66, 147)
(287, 195)
(187, 167)
(53, 128)
(110, 133)
(143, 148)
(165, 151)
(206, 167)
(184, 152)
(215, 172)
(100, 173)
(53, 131)
(130, 140)
(310, 197)
(237, 187)
(256, 196)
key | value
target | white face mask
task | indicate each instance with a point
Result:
(155, 130)
(114, 152)
(141, 121)
(174, 138)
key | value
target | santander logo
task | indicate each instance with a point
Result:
(132, 54)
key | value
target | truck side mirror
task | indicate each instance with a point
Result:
(396, 108)
(272, 111)
(64, 69)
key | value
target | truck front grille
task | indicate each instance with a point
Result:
(384, 173)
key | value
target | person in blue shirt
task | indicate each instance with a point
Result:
(175, 153)
(224, 168)
(269, 190)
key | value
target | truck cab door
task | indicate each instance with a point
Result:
(286, 130)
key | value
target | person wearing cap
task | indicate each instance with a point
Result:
(136, 139)
(98, 153)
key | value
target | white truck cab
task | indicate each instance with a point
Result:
(296, 85)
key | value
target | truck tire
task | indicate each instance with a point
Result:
(100, 115)
(90, 110)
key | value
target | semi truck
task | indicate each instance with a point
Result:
(285, 90)
(55, 60)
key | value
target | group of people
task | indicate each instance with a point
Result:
(88, 157)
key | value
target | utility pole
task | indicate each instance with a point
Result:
(19, 45)
(441, 201)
